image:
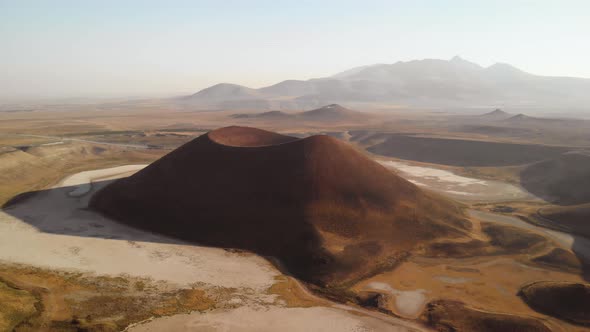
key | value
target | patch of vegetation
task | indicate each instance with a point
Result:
(454, 316)
(66, 301)
(290, 292)
(43, 167)
(16, 306)
(559, 258)
(511, 238)
(502, 240)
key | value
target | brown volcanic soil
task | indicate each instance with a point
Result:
(327, 211)
(333, 112)
(559, 258)
(454, 316)
(575, 217)
(564, 180)
(456, 152)
(564, 300)
(502, 240)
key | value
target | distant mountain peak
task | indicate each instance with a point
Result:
(225, 91)
(498, 111)
(426, 82)
(332, 108)
(457, 60)
(506, 69)
(519, 117)
(497, 114)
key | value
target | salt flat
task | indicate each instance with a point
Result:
(247, 319)
(53, 229)
(457, 186)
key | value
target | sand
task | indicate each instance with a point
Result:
(246, 319)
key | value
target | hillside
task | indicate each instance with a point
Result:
(333, 112)
(576, 218)
(564, 300)
(563, 180)
(224, 92)
(327, 211)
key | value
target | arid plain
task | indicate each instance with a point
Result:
(521, 182)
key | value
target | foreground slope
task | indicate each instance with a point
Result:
(328, 212)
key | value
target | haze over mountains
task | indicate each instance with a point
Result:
(422, 83)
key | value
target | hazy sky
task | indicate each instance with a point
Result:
(137, 48)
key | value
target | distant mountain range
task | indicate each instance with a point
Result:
(420, 83)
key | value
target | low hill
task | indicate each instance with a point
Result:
(289, 88)
(496, 114)
(264, 115)
(333, 112)
(563, 180)
(523, 120)
(575, 217)
(224, 92)
(329, 113)
(448, 315)
(327, 211)
(564, 300)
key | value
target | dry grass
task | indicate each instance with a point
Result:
(43, 167)
(73, 301)
(292, 293)
(16, 306)
(509, 174)
(456, 316)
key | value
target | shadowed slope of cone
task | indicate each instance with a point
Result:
(327, 211)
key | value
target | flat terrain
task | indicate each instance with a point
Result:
(60, 263)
